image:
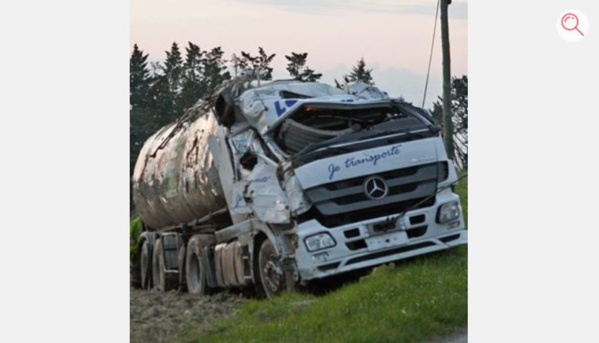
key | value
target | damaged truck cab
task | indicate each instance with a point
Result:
(277, 185)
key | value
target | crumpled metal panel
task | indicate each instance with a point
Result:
(298, 201)
(180, 183)
(267, 200)
(264, 108)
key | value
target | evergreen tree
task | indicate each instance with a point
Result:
(259, 63)
(239, 64)
(173, 69)
(192, 67)
(166, 87)
(215, 69)
(173, 76)
(163, 101)
(139, 78)
(459, 110)
(192, 75)
(359, 73)
(297, 67)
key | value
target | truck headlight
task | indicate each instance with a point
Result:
(448, 212)
(319, 241)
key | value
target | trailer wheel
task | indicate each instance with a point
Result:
(195, 272)
(145, 262)
(182, 274)
(273, 277)
(162, 281)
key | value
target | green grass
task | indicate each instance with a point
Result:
(462, 190)
(134, 232)
(412, 301)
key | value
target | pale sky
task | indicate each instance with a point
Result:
(393, 36)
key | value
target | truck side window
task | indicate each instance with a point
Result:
(248, 160)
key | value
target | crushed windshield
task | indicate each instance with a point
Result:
(314, 126)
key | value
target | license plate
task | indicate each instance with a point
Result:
(386, 241)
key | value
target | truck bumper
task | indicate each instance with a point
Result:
(374, 242)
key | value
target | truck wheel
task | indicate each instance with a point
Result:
(162, 281)
(194, 270)
(145, 262)
(272, 274)
(182, 274)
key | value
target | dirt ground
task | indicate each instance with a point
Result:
(158, 317)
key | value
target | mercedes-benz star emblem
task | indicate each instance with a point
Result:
(375, 188)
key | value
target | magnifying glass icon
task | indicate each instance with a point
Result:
(570, 22)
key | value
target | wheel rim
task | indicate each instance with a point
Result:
(273, 275)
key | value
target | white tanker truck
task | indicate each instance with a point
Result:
(275, 185)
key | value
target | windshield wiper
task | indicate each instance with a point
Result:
(314, 149)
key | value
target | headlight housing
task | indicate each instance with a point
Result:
(448, 212)
(319, 241)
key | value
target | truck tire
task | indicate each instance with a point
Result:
(145, 264)
(195, 272)
(163, 281)
(273, 277)
(181, 256)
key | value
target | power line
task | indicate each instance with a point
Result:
(430, 59)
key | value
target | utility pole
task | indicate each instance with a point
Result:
(447, 122)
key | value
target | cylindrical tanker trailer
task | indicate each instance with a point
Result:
(268, 187)
(175, 180)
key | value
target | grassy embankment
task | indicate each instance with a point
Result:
(411, 301)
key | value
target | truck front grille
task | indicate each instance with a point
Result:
(343, 202)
